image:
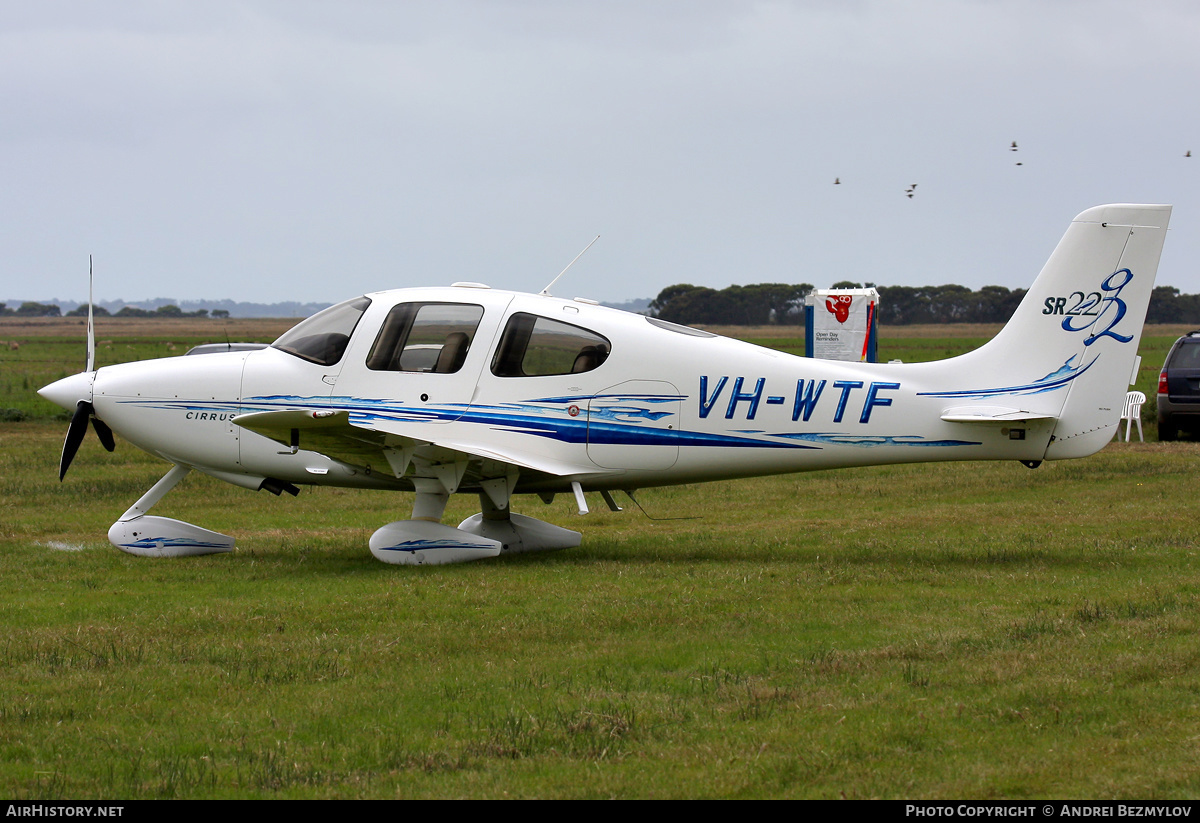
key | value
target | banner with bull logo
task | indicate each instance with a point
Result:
(840, 324)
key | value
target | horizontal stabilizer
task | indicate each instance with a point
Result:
(991, 414)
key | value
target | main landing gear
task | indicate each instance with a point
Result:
(425, 540)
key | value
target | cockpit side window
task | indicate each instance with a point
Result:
(533, 346)
(322, 338)
(425, 337)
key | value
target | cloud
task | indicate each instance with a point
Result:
(304, 150)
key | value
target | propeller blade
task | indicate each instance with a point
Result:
(91, 328)
(75, 433)
(104, 433)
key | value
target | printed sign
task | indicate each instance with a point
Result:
(841, 324)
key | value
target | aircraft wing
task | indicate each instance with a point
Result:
(326, 433)
(332, 434)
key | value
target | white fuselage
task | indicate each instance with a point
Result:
(664, 407)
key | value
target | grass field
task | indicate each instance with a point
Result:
(939, 631)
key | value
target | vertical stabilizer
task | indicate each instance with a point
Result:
(1070, 347)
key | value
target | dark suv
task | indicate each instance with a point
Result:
(1179, 388)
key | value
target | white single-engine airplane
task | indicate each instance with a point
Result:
(470, 389)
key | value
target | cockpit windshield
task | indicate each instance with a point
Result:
(322, 338)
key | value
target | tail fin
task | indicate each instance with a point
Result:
(1069, 349)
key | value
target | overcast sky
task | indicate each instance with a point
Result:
(268, 151)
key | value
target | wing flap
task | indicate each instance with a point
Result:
(488, 451)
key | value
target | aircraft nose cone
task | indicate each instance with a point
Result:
(70, 390)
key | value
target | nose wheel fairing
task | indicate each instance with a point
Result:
(148, 536)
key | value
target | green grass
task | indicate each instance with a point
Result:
(39, 361)
(940, 631)
(924, 631)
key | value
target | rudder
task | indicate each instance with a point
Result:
(1092, 409)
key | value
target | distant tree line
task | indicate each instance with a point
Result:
(1167, 305)
(169, 310)
(32, 309)
(764, 304)
(906, 305)
(160, 306)
(755, 305)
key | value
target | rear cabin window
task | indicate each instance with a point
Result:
(1187, 356)
(533, 346)
(425, 337)
(322, 338)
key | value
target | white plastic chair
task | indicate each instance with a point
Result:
(1132, 414)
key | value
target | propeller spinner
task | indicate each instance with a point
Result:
(75, 392)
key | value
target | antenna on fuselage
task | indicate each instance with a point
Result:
(546, 291)
(629, 494)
